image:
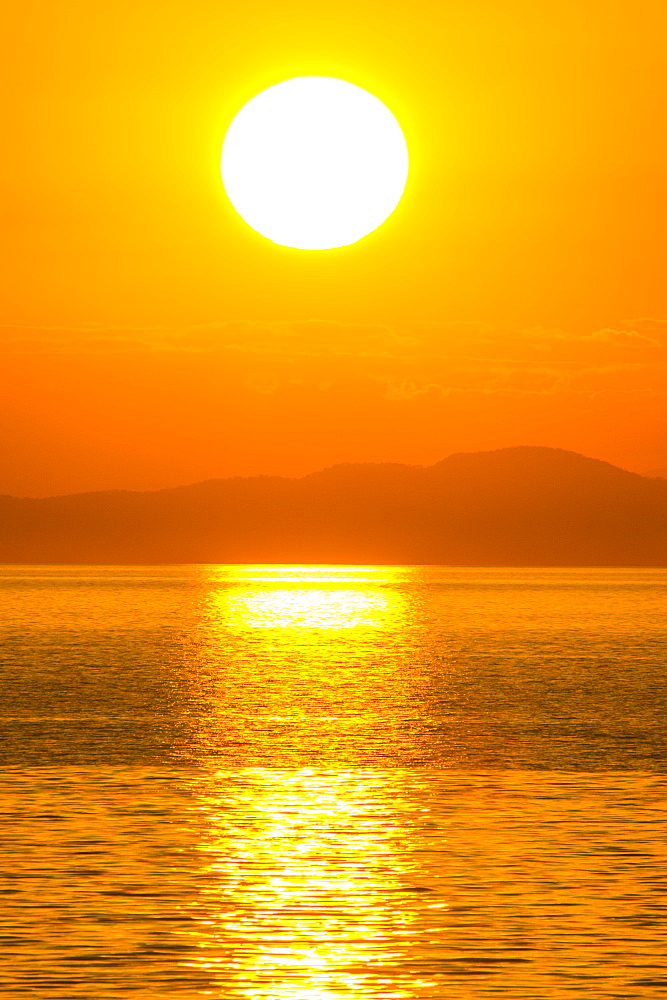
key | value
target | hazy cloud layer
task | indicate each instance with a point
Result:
(396, 363)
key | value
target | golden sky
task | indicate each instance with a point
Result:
(516, 296)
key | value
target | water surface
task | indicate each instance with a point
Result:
(323, 782)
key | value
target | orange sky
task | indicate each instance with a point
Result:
(517, 295)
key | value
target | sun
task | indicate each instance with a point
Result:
(314, 163)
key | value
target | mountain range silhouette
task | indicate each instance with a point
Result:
(523, 506)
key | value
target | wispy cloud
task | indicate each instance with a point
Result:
(399, 363)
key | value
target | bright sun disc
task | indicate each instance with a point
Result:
(314, 163)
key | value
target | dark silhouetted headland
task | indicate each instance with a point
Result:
(513, 507)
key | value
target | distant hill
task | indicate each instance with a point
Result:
(512, 507)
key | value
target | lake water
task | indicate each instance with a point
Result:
(312, 783)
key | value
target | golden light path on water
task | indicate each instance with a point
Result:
(318, 656)
(311, 597)
(311, 895)
(314, 884)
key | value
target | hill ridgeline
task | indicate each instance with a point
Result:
(513, 507)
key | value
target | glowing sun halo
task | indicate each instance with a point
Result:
(314, 163)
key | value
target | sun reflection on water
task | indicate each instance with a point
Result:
(304, 665)
(300, 665)
(307, 609)
(308, 872)
(306, 597)
(309, 887)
